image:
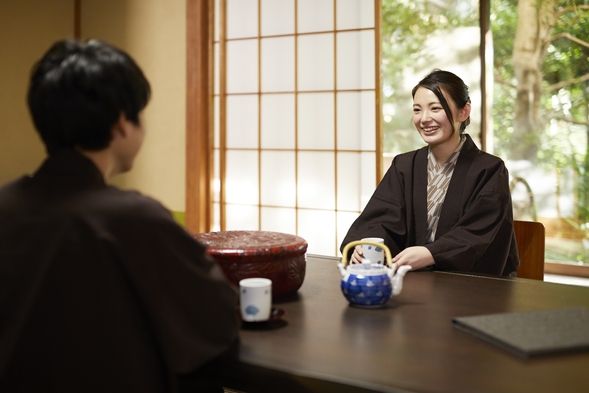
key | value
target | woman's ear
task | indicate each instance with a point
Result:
(464, 112)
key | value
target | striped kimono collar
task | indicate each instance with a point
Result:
(438, 179)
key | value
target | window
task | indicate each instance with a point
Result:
(296, 116)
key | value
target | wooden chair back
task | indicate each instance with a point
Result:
(530, 237)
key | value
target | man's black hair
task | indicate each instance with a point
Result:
(78, 90)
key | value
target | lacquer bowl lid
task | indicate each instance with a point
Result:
(252, 246)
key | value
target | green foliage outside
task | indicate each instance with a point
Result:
(565, 62)
(406, 26)
(564, 141)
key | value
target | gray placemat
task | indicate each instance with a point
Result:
(532, 333)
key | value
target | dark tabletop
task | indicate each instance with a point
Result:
(410, 345)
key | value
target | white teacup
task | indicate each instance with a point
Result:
(372, 253)
(255, 299)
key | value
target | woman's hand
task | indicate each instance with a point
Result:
(418, 257)
(357, 256)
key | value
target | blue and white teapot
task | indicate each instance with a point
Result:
(370, 284)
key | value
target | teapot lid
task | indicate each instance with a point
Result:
(367, 269)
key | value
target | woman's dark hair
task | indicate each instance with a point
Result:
(440, 82)
(78, 90)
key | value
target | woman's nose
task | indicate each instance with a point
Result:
(425, 116)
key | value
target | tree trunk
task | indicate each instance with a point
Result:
(535, 22)
(583, 214)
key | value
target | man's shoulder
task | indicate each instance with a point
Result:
(9, 188)
(13, 196)
(128, 205)
(142, 224)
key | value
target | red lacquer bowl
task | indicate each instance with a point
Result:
(274, 255)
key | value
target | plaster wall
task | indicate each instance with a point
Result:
(27, 29)
(153, 32)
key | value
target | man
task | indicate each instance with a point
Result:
(100, 290)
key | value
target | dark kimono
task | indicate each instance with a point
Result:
(100, 290)
(475, 230)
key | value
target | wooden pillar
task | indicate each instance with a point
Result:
(199, 115)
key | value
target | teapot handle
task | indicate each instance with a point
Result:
(356, 242)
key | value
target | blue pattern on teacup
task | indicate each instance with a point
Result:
(251, 310)
(376, 249)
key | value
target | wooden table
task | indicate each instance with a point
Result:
(322, 344)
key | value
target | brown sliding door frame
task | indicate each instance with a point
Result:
(199, 114)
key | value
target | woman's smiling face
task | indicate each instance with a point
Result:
(431, 121)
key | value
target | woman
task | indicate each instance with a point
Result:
(446, 206)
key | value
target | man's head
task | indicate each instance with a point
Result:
(80, 90)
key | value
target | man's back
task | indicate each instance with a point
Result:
(99, 289)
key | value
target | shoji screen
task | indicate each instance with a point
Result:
(297, 135)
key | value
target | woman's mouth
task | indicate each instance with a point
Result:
(429, 130)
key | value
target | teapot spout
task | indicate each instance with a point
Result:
(398, 279)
